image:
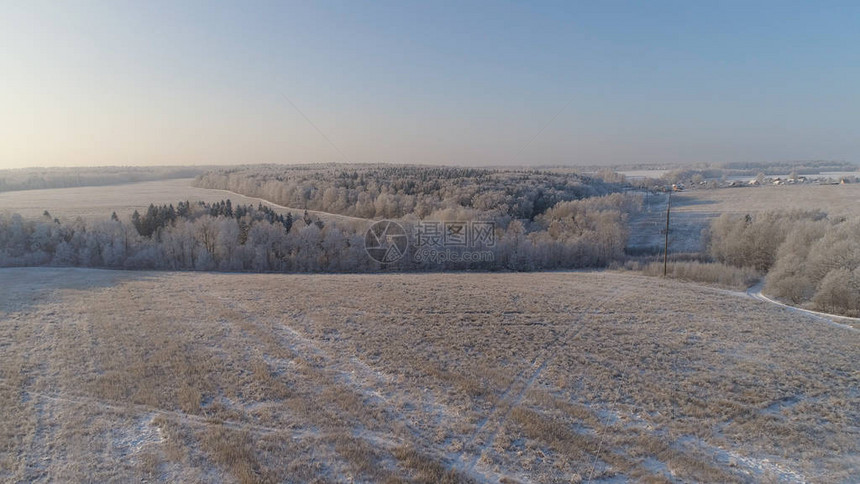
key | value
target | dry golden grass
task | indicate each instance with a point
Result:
(738, 278)
(423, 377)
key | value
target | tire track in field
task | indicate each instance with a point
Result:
(345, 375)
(505, 405)
(38, 360)
(496, 417)
(179, 416)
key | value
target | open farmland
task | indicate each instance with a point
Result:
(834, 199)
(537, 377)
(692, 211)
(98, 202)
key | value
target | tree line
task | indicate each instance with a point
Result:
(394, 191)
(160, 216)
(811, 259)
(198, 236)
(41, 178)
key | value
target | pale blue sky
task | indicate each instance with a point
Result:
(89, 83)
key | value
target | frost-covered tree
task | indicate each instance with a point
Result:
(393, 191)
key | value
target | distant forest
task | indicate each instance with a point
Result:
(394, 191)
(539, 220)
(40, 178)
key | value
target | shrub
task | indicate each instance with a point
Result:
(707, 272)
(839, 292)
(754, 240)
(817, 261)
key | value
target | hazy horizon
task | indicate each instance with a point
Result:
(477, 84)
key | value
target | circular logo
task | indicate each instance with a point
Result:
(386, 241)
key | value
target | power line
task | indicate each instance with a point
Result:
(315, 127)
(544, 127)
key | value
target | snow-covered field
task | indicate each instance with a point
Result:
(634, 174)
(694, 210)
(97, 203)
(121, 376)
(833, 199)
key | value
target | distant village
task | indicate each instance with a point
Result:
(761, 180)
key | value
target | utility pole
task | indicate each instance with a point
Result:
(666, 247)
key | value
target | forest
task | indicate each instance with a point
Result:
(40, 178)
(810, 259)
(199, 236)
(394, 191)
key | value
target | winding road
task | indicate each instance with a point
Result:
(322, 215)
(755, 293)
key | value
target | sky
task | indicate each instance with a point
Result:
(177, 82)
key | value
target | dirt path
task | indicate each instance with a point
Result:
(755, 293)
(323, 215)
